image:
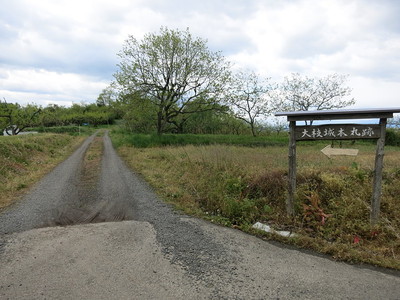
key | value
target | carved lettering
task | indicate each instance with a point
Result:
(337, 131)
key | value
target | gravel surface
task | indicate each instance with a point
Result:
(183, 242)
(153, 252)
(53, 194)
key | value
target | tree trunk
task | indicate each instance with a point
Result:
(159, 123)
(253, 130)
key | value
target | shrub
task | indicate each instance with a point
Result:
(392, 137)
(270, 185)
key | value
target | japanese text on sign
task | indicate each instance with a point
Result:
(337, 131)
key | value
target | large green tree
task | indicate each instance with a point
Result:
(138, 112)
(176, 71)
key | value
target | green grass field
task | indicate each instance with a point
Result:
(154, 140)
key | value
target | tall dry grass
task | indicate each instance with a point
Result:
(25, 159)
(238, 186)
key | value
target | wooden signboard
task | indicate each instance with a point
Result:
(339, 132)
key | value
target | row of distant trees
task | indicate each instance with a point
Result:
(171, 82)
(15, 118)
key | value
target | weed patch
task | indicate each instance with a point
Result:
(92, 163)
(25, 159)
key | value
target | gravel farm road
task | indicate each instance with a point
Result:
(127, 244)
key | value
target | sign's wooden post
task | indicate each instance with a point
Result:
(292, 169)
(338, 132)
(377, 183)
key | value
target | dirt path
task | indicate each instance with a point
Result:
(152, 252)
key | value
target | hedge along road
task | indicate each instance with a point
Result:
(127, 244)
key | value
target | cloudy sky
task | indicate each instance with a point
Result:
(64, 51)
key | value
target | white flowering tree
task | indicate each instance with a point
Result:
(303, 93)
(250, 99)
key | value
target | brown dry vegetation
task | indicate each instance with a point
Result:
(238, 186)
(25, 159)
(92, 162)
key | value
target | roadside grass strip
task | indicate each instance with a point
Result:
(25, 159)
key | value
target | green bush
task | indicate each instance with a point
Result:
(240, 211)
(392, 137)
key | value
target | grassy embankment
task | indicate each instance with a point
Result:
(25, 159)
(240, 185)
(70, 129)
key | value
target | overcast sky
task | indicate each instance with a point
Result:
(66, 51)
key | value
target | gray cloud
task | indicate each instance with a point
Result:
(359, 38)
(309, 44)
(36, 40)
(233, 8)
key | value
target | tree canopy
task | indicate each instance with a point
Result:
(14, 118)
(303, 93)
(250, 98)
(175, 71)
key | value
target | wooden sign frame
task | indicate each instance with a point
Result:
(339, 132)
